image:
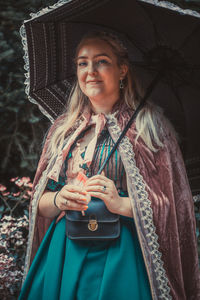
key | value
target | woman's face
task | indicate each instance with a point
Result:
(99, 74)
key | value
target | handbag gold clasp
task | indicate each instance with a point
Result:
(92, 225)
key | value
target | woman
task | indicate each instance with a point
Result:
(155, 256)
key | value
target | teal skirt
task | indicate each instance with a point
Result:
(65, 269)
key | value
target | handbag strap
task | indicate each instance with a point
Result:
(140, 106)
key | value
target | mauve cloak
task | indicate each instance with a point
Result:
(161, 200)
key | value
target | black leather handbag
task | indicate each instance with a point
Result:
(98, 223)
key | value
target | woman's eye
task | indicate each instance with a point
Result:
(82, 64)
(102, 61)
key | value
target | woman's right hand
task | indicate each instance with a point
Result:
(72, 197)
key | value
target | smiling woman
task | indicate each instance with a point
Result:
(155, 256)
(99, 74)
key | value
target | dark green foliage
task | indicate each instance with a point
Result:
(13, 234)
(22, 125)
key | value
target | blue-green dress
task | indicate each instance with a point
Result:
(65, 269)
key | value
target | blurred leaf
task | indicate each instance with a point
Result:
(34, 119)
(6, 54)
(23, 164)
(31, 156)
(2, 207)
(12, 108)
(26, 213)
(197, 215)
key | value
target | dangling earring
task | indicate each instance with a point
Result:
(121, 86)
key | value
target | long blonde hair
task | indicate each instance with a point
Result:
(146, 124)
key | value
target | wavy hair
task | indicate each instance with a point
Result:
(146, 124)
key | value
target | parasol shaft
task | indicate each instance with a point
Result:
(133, 117)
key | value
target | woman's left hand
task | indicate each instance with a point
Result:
(104, 188)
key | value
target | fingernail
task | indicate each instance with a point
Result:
(84, 199)
(85, 207)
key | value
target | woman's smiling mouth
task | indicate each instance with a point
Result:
(93, 81)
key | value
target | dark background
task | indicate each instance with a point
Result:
(22, 129)
(22, 125)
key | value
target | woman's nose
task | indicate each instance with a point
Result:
(92, 68)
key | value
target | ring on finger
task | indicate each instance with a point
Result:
(104, 188)
(67, 202)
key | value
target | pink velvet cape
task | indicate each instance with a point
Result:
(161, 201)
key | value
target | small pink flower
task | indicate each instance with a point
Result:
(2, 188)
(25, 197)
(6, 193)
(19, 182)
(16, 194)
(25, 179)
(29, 193)
(30, 184)
(14, 179)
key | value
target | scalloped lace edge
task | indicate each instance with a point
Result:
(39, 189)
(174, 7)
(143, 204)
(38, 192)
(26, 57)
(164, 4)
